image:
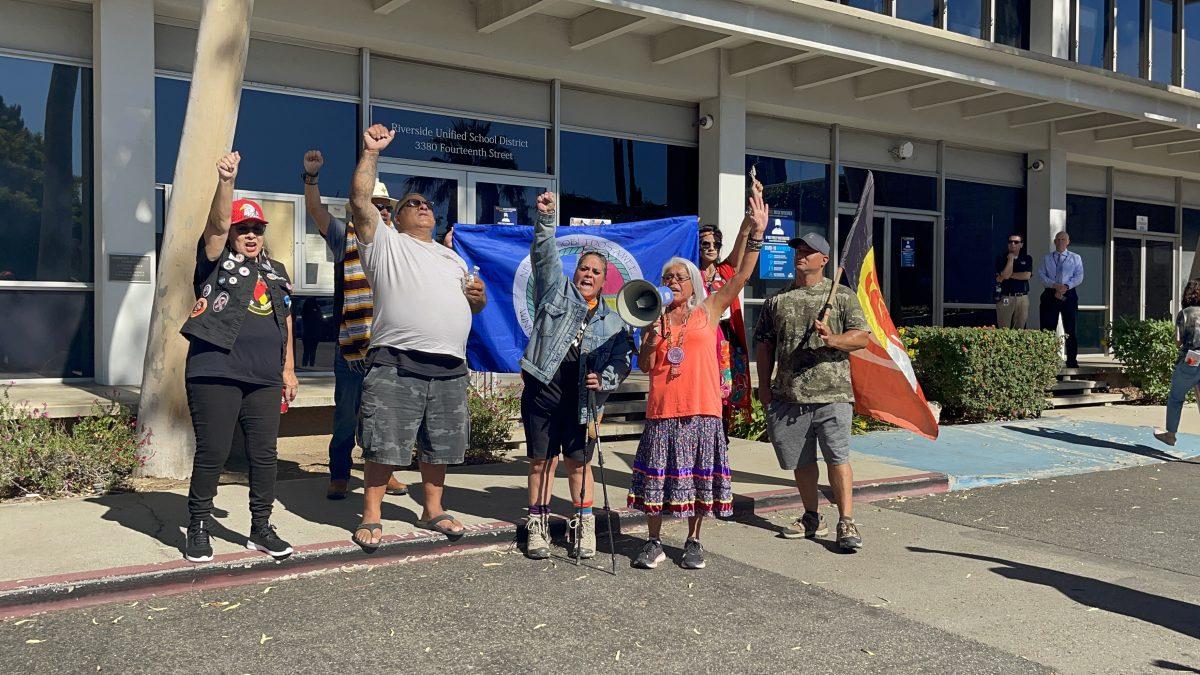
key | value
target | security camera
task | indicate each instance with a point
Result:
(706, 122)
(903, 151)
(1037, 165)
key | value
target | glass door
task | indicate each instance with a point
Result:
(911, 269)
(1144, 285)
(446, 188)
(504, 200)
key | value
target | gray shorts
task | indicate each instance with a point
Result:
(402, 410)
(795, 429)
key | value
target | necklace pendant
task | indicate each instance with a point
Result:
(675, 357)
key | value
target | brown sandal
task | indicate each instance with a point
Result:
(365, 544)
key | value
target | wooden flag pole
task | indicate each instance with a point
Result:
(837, 279)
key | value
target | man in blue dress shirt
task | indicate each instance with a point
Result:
(1061, 272)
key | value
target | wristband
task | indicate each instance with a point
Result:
(754, 244)
(305, 176)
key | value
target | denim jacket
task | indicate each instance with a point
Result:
(606, 348)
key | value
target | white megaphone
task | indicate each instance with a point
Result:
(640, 302)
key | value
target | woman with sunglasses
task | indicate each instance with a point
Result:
(239, 359)
(732, 353)
(682, 462)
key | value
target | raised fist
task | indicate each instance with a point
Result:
(313, 161)
(377, 137)
(545, 202)
(227, 166)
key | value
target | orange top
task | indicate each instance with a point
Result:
(696, 390)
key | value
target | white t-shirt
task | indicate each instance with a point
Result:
(419, 300)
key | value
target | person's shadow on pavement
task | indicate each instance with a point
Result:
(161, 515)
(1181, 617)
(1078, 439)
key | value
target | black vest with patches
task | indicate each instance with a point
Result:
(223, 299)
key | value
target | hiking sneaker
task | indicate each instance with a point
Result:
(264, 538)
(650, 555)
(693, 555)
(538, 545)
(1167, 437)
(847, 536)
(585, 538)
(811, 524)
(198, 547)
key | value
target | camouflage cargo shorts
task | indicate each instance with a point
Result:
(400, 411)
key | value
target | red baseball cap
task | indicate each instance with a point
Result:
(246, 209)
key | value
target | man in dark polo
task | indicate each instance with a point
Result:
(1013, 270)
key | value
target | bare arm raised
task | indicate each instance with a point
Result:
(718, 302)
(216, 231)
(362, 212)
(313, 161)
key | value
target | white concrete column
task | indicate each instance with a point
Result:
(1050, 27)
(123, 127)
(723, 157)
(1046, 216)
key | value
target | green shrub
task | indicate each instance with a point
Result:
(863, 424)
(492, 421)
(57, 457)
(984, 374)
(753, 426)
(1148, 351)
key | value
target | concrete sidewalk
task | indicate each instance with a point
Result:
(135, 538)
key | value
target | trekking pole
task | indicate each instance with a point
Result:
(594, 433)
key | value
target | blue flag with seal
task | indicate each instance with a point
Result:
(500, 332)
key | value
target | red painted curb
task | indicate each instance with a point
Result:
(24, 597)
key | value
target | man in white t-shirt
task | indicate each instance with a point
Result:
(415, 391)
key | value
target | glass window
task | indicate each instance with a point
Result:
(1153, 217)
(965, 16)
(920, 11)
(798, 194)
(878, 6)
(430, 137)
(1129, 36)
(625, 180)
(53, 338)
(1089, 331)
(319, 266)
(443, 192)
(979, 219)
(315, 331)
(505, 204)
(1012, 23)
(962, 317)
(1191, 235)
(1094, 26)
(45, 171)
(898, 190)
(273, 132)
(1087, 223)
(1191, 46)
(1162, 41)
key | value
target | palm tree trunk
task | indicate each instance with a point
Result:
(207, 134)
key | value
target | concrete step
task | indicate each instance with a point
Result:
(1070, 373)
(1076, 387)
(1084, 399)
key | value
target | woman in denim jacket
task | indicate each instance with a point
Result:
(578, 347)
(1186, 375)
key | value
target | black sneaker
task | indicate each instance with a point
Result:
(848, 538)
(650, 555)
(264, 538)
(811, 524)
(693, 555)
(198, 547)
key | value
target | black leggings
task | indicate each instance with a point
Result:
(218, 405)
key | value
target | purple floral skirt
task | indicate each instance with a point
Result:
(682, 468)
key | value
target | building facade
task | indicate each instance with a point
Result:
(979, 118)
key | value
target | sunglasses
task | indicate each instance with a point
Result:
(705, 245)
(383, 207)
(675, 277)
(417, 203)
(1015, 241)
(258, 229)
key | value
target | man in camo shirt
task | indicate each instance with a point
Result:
(810, 398)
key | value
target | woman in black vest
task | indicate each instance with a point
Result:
(240, 356)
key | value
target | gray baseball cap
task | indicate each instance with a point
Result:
(812, 240)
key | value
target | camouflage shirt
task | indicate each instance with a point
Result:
(807, 371)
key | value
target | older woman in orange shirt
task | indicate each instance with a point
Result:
(682, 464)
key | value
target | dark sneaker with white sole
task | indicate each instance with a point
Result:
(693, 555)
(811, 524)
(264, 538)
(848, 538)
(198, 547)
(650, 555)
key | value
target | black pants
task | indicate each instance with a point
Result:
(218, 406)
(1068, 307)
